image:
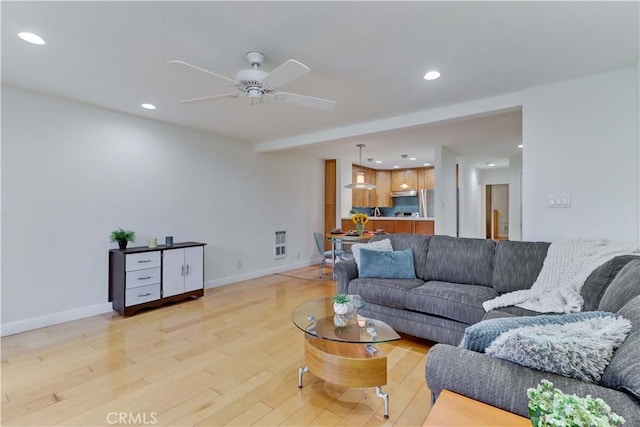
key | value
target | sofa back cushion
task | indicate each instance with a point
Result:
(623, 371)
(623, 288)
(517, 264)
(598, 282)
(459, 260)
(419, 245)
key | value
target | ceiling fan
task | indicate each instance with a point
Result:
(257, 84)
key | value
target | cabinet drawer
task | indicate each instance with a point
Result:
(142, 294)
(148, 276)
(143, 260)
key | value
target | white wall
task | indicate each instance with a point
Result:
(515, 197)
(445, 192)
(469, 213)
(72, 173)
(581, 138)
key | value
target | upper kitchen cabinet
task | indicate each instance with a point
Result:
(404, 176)
(383, 189)
(426, 178)
(362, 198)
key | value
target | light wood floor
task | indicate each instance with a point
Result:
(229, 358)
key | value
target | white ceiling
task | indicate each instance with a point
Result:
(369, 56)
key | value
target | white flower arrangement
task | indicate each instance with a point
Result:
(550, 407)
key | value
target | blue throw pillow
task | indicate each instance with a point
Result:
(478, 337)
(387, 264)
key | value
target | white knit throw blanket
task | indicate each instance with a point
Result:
(566, 267)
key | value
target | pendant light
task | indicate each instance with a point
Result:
(360, 184)
(404, 184)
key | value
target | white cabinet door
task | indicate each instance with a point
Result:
(173, 271)
(194, 268)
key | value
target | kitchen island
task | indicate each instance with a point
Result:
(395, 224)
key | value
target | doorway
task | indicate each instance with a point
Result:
(497, 211)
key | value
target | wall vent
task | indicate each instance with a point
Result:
(280, 245)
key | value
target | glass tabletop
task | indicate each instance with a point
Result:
(317, 318)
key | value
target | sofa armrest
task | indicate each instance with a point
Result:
(504, 384)
(345, 271)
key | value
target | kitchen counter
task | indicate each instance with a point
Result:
(397, 218)
(396, 224)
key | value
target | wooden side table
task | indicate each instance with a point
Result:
(452, 409)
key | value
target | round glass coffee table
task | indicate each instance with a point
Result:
(340, 349)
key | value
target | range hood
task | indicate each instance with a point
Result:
(408, 193)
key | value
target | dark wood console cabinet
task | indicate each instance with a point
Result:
(144, 277)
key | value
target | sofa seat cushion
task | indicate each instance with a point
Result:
(462, 303)
(460, 260)
(388, 292)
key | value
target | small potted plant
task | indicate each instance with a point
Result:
(342, 303)
(123, 237)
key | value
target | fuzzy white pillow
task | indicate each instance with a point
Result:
(580, 349)
(380, 245)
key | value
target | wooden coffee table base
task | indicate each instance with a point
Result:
(346, 364)
(452, 409)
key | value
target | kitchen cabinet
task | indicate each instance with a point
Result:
(404, 176)
(412, 227)
(145, 277)
(426, 178)
(386, 225)
(182, 270)
(363, 198)
(383, 189)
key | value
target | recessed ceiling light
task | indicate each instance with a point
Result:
(521, 145)
(396, 167)
(490, 164)
(378, 161)
(427, 164)
(432, 75)
(412, 158)
(31, 38)
(148, 106)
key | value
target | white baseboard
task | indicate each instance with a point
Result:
(53, 319)
(253, 274)
(24, 325)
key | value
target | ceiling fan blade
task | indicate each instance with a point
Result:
(204, 71)
(211, 98)
(305, 101)
(285, 73)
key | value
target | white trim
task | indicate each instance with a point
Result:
(53, 319)
(92, 310)
(253, 274)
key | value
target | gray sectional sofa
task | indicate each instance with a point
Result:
(455, 276)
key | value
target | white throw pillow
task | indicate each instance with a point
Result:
(380, 245)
